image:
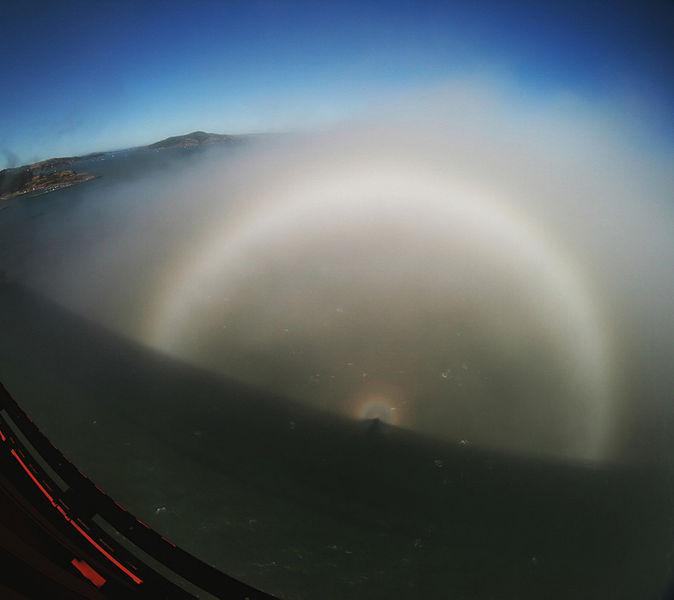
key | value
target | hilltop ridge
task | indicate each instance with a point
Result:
(189, 140)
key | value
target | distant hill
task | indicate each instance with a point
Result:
(55, 173)
(189, 140)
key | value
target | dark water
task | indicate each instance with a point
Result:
(300, 503)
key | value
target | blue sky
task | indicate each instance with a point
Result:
(85, 76)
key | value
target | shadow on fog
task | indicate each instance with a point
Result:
(307, 505)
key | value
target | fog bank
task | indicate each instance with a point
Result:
(468, 263)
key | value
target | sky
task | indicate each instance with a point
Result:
(84, 76)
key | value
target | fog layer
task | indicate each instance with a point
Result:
(469, 264)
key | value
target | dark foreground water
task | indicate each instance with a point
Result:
(307, 505)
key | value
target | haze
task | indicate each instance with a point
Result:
(463, 265)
